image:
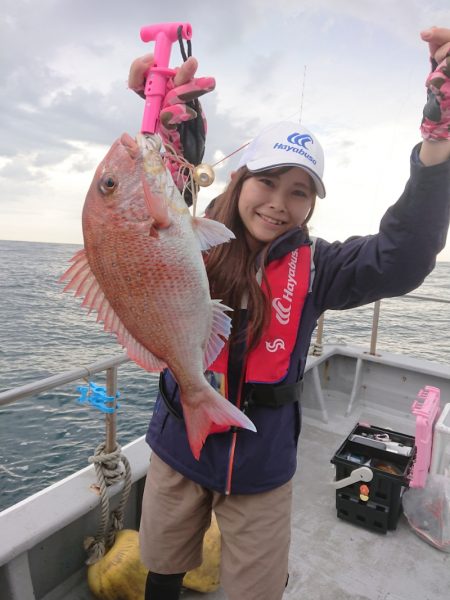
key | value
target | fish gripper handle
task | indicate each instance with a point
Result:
(164, 35)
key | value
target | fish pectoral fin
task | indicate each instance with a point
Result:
(210, 233)
(221, 328)
(157, 206)
(85, 285)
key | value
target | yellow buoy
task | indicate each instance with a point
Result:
(120, 574)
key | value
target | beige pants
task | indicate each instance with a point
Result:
(255, 532)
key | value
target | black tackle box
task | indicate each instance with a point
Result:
(375, 504)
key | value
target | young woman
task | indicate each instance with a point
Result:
(278, 281)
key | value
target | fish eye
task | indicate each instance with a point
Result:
(107, 184)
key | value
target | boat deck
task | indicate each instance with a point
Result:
(334, 560)
(41, 546)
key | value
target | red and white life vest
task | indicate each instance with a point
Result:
(288, 279)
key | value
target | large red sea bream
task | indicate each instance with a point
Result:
(142, 270)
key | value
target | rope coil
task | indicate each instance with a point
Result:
(110, 468)
(317, 349)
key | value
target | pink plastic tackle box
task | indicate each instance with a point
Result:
(375, 465)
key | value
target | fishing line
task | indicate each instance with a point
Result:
(247, 143)
(183, 166)
(231, 154)
(202, 175)
(287, 118)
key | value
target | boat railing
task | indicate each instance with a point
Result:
(316, 347)
(112, 364)
(109, 365)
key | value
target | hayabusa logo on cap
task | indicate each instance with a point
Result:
(301, 139)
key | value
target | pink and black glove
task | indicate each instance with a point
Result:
(436, 113)
(183, 127)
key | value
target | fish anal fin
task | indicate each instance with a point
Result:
(210, 233)
(220, 331)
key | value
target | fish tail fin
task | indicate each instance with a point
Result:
(207, 412)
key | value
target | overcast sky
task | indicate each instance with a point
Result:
(359, 65)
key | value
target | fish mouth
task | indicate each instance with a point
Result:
(148, 143)
(130, 145)
(144, 145)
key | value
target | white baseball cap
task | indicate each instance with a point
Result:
(286, 144)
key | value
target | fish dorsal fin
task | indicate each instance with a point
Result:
(210, 233)
(221, 327)
(83, 282)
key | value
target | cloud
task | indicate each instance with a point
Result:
(19, 170)
(64, 98)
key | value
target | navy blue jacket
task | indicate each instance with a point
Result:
(346, 274)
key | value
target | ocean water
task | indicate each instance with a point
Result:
(44, 332)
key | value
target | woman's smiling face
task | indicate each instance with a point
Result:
(271, 203)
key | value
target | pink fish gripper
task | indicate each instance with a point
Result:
(164, 35)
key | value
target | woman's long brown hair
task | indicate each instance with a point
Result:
(232, 267)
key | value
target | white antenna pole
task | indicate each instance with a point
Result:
(303, 91)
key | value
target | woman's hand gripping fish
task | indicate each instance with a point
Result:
(142, 270)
